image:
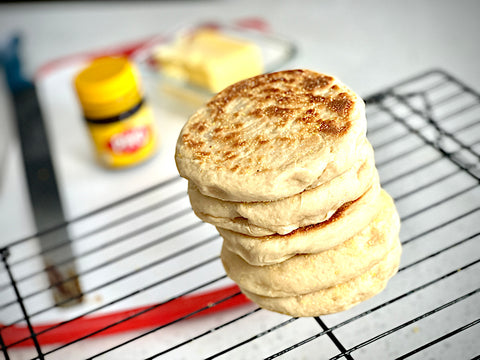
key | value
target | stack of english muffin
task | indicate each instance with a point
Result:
(280, 164)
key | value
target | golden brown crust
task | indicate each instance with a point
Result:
(276, 99)
(286, 122)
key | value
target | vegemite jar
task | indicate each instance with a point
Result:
(120, 123)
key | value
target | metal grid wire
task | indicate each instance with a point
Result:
(426, 135)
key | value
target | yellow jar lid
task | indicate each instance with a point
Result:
(106, 81)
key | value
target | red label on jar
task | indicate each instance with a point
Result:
(130, 140)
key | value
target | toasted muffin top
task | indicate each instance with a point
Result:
(269, 136)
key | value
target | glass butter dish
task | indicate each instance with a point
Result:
(194, 62)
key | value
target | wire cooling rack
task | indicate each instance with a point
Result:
(426, 135)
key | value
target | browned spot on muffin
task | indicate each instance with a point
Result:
(312, 83)
(331, 127)
(231, 136)
(341, 104)
(292, 106)
(203, 154)
(273, 111)
(308, 117)
(199, 127)
(238, 144)
(229, 155)
(193, 144)
(335, 217)
(375, 236)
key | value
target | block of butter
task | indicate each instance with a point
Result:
(210, 59)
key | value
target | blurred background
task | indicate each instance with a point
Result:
(394, 39)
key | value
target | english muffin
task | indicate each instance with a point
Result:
(281, 165)
(302, 274)
(285, 215)
(336, 298)
(349, 219)
(271, 136)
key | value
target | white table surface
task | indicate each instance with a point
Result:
(368, 44)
